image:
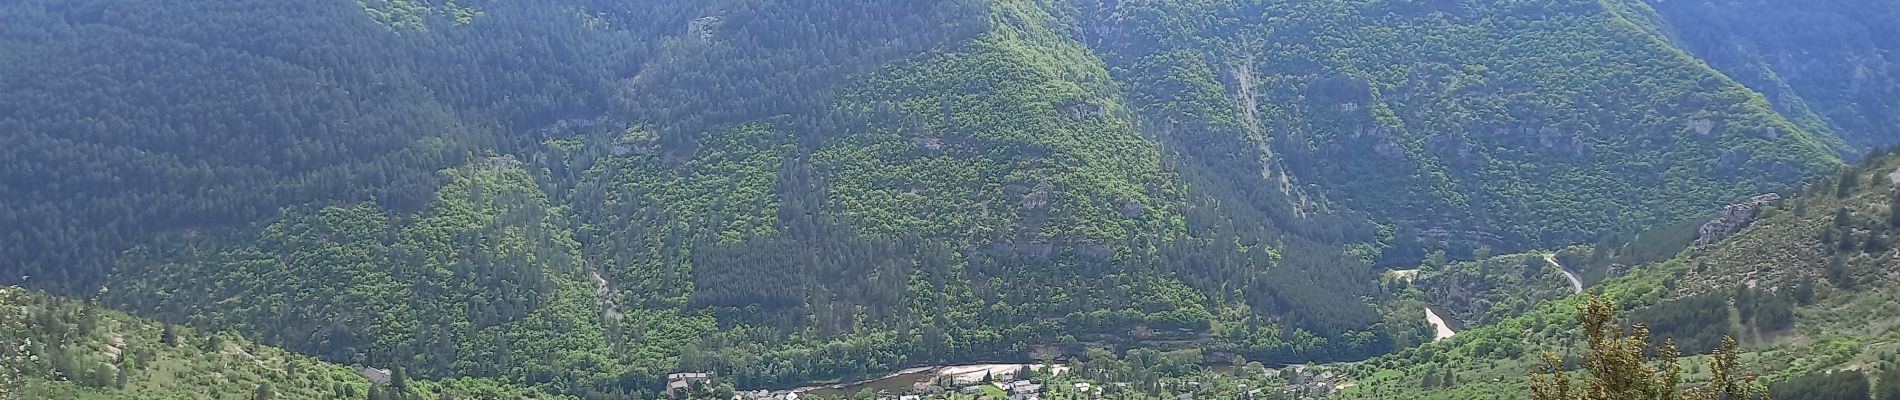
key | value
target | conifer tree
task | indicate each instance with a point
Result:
(1893, 209)
(399, 379)
(168, 337)
(1850, 178)
(1887, 387)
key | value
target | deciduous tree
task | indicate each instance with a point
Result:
(1618, 369)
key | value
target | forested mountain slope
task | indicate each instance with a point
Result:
(1827, 65)
(928, 214)
(125, 119)
(53, 348)
(581, 196)
(1808, 289)
(485, 277)
(1458, 124)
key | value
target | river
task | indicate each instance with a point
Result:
(1443, 330)
(906, 380)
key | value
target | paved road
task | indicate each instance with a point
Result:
(1576, 283)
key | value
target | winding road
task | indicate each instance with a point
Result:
(1576, 284)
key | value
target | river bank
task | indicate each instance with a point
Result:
(910, 379)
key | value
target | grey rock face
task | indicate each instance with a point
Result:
(1734, 218)
(703, 27)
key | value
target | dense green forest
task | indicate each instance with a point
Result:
(1459, 124)
(786, 250)
(485, 277)
(579, 197)
(1828, 66)
(126, 120)
(55, 348)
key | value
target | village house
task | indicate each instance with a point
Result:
(1024, 390)
(376, 375)
(766, 395)
(678, 383)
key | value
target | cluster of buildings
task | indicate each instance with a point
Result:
(1021, 389)
(917, 384)
(678, 384)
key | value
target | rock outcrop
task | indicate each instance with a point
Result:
(1617, 270)
(703, 27)
(1086, 111)
(1734, 218)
